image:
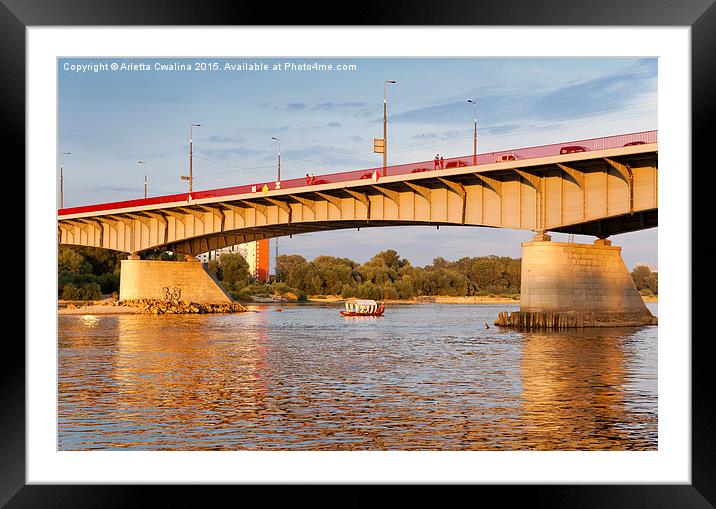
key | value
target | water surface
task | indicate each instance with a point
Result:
(423, 377)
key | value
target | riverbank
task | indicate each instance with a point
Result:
(113, 307)
(143, 306)
(102, 307)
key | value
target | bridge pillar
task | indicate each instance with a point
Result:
(584, 285)
(164, 280)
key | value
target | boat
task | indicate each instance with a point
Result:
(363, 307)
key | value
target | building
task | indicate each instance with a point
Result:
(255, 253)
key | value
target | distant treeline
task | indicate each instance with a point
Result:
(85, 274)
(388, 276)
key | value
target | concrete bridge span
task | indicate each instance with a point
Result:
(600, 193)
(600, 187)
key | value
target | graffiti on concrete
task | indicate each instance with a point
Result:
(171, 294)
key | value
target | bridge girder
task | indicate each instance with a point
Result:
(594, 196)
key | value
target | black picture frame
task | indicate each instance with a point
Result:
(700, 15)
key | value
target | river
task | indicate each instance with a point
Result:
(423, 377)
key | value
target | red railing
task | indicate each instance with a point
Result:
(554, 149)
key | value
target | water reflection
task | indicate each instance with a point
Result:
(424, 377)
(574, 390)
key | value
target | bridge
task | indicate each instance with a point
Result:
(599, 186)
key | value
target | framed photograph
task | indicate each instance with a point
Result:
(234, 296)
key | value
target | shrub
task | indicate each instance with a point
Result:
(241, 296)
(109, 283)
(281, 288)
(258, 289)
(646, 292)
(70, 292)
(91, 291)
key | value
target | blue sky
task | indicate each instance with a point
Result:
(326, 121)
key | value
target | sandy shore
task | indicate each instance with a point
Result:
(97, 309)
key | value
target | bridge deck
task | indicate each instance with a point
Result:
(465, 164)
(610, 188)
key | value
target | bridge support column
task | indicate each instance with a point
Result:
(169, 280)
(578, 285)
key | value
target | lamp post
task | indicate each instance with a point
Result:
(61, 176)
(278, 179)
(145, 177)
(190, 178)
(474, 143)
(385, 125)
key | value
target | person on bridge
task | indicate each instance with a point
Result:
(437, 161)
(442, 166)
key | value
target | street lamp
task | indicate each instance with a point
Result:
(474, 143)
(61, 177)
(145, 177)
(385, 123)
(190, 178)
(278, 178)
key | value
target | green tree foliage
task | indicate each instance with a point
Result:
(69, 260)
(103, 261)
(160, 254)
(645, 279)
(215, 269)
(90, 291)
(387, 276)
(234, 271)
(326, 275)
(87, 273)
(285, 264)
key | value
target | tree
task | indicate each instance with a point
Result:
(103, 260)
(160, 254)
(644, 278)
(215, 270)
(69, 260)
(235, 270)
(388, 258)
(286, 264)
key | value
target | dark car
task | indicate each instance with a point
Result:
(455, 164)
(418, 170)
(367, 175)
(632, 143)
(506, 157)
(572, 149)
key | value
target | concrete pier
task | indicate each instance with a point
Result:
(168, 280)
(576, 285)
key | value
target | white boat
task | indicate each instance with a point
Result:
(363, 307)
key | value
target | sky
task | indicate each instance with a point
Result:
(326, 120)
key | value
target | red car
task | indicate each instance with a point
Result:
(506, 157)
(418, 170)
(632, 143)
(367, 175)
(572, 149)
(455, 164)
